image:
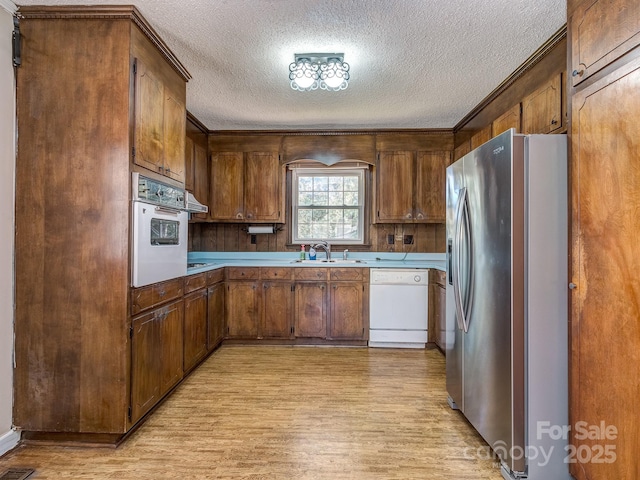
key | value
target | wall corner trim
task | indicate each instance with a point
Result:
(9, 6)
(10, 439)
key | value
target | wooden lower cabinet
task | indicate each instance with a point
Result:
(195, 328)
(215, 315)
(277, 310)
(310, 310)
(242, 309)
(348, 303)
(156, 356)
(440, 311)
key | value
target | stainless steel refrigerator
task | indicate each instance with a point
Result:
(506, 338)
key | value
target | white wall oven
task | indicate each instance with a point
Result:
(159, 232)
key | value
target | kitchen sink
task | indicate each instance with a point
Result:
(197, 264)
(332, 262)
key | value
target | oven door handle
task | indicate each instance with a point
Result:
(168, 210)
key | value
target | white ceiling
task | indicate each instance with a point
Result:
(414, 63)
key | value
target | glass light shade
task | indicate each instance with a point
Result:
(334, 75)
(304, 75)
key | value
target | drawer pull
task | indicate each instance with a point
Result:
(577, 73)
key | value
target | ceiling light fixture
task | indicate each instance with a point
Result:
(328, 71)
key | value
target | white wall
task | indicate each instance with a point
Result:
(8, 438)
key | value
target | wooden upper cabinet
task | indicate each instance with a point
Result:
(174, 136)
(227, 186)
(480, 137)
(190, 164)
(197, 175)
(601, 32)
(410, 186)
(262, 187)
(395, 186)
(159, 126)
(542, 109)
(461, 150)
(430, 198)
(509, 119)
(246, 187)
(149, 118)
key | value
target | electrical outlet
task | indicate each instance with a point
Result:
(408, 240)
(391, 239)
(253, 239)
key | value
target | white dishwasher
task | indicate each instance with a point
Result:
(398, 307)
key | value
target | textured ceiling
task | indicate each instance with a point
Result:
(414, 63)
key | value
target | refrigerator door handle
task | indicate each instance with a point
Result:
(464, 303)
(456, 258)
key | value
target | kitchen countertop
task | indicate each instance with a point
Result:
(214, 260)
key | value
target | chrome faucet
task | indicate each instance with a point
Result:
(326, 247)
(345, 252)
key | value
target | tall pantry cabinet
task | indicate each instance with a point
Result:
(604, 81)
(80, 121)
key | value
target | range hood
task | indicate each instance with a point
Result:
(194, 206)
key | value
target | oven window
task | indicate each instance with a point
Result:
(165, 232)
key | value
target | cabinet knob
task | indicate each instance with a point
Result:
(573, 286)
(554, 122)
(249, 215)
(239, 215)
(577, 73)
(162, 293)
(420, 216)
(408, 215)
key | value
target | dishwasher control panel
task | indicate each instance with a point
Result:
(399, 276)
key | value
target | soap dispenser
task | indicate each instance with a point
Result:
(302, 252)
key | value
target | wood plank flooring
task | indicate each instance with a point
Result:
(290, 413)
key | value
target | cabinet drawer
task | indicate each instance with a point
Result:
(347, 274)
(243, 273)
(310, 273)
(195, 282)
(146, 297)
(165, 291)
(215, 276)
(283, 273)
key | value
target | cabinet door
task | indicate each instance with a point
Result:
(461, 150)
(189, 164)
(145, 358)
(175, 121)
(201, 179)
(171, 345)
(149, 119)
(441, 317)
(542, 110)
(346, 311)
(310, 310)
(605, 330)
(262, 187)
(601, 32)
(227, 186)
(431, 172)
(242, 309)
(195, 328)
(509, 119)
(481, 137)
(277, 309)
(215, 316)
(395, 187)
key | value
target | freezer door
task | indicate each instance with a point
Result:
(493, 184)
(453, 336)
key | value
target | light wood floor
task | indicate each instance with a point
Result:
(290, 413)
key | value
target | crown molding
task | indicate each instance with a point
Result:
(9, 6)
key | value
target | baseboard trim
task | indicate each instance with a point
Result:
(9, 441)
